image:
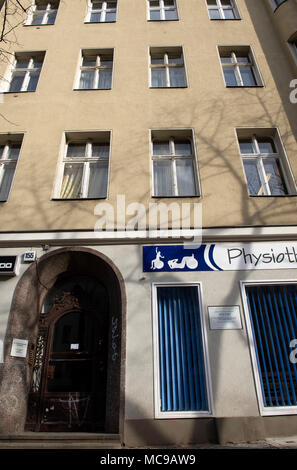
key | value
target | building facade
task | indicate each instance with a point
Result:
(148, 241)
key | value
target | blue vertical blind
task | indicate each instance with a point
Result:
(273, 314)
(182, 368)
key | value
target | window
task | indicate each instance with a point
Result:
(101, 12)
(24, 74)
(43, 13)
(276, 3)
(167, 68)
(9, 153)
(239, 67)
(222, 10)
(293, 46)
(266, 169)
(173, 160)
(85, 166)
(181, 380)
(271, 312)
(162, 10)
(96, 70)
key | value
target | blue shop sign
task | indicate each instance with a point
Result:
(220, 257)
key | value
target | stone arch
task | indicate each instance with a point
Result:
(28, 298)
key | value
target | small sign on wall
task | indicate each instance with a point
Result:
(9, 265)
(225, 317)
(19, 347)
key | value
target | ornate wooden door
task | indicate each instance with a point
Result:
(69, 373)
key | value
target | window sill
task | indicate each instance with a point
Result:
(92, 89)
(244, 86)
(37, 26)
(17, 92)
(99, 22)
(79, 199)
(161, 21)
(275, 195)
(176, 197)
(167, 87)
(225, 19)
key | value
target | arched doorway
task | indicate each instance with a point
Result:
(68, 390)
(70, 305)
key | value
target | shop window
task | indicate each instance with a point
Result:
(272, 324)
(182, 379)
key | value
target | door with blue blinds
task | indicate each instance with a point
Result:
(182, 372)
(273, 319)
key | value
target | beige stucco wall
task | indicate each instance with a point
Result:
(131, 109)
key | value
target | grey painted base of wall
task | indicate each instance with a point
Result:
(139, 433)
(253, 429)
(169, 432)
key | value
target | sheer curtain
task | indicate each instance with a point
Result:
(72, 178)
(98, 179)
(177, 77)
(6, 180)
(163, 178)
(87, 79)
(185, 178)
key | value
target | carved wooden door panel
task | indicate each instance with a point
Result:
(69, 374)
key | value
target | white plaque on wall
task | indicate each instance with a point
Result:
(19, 347)
(225, 318)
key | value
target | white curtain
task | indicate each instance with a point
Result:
(163, 178)
(98, 179)
(72, 178)
(6, 180)
(185, 178)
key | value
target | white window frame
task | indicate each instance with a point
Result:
(8, 76)
(86, 138)
(280, 156)
(172, 136)
(94, 53)
(102, 12)
(162, 8)
(4, 160)
(264, 410)
(233, 51)
(157, 399)
(221, 10)
(166, 65)
(48, 9)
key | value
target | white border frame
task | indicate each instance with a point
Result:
(175, 132)
(283, 158)
(161, 19)
(264, 410)
(56, 191)
(157, 401)
(256, 69)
